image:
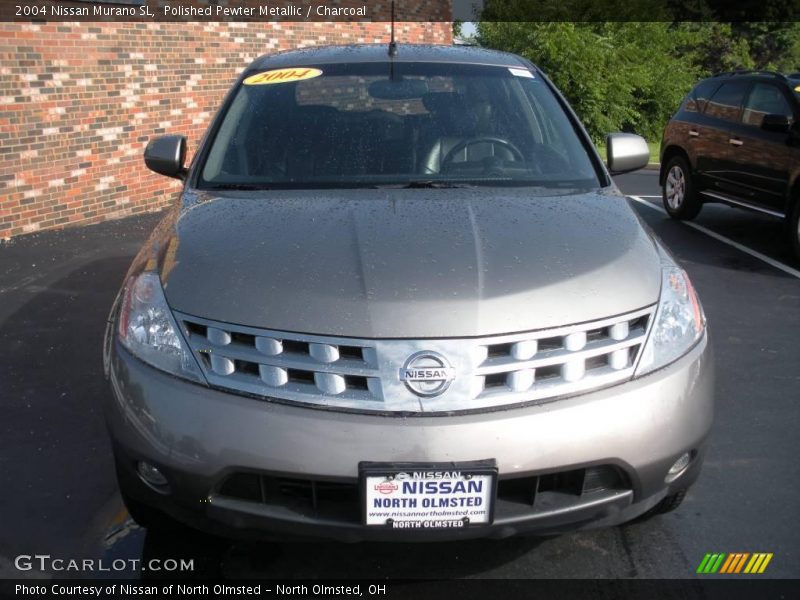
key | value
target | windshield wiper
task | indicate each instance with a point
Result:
(237, 186)
(426, 184)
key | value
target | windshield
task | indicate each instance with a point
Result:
(407, 124)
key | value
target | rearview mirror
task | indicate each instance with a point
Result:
(165, 155)
(398, 89)
(626, 152)
(776, 123)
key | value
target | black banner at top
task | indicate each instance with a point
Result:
(404, 10)
(640, 10)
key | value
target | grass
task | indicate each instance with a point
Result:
(655, 151)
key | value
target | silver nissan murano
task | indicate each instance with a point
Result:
(400, 298)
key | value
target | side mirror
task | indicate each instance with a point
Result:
(776, 123)
(626, 152)
(166, 154)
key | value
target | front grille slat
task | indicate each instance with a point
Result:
(363, 374)
(287, 360)
(553, 385)
(501, 364)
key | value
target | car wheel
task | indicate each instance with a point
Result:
(144, 515)
(666, 505)
(678, 193)
(147, 516)
(669, 503)
(794, 229)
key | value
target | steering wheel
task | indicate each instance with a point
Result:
(448, 158)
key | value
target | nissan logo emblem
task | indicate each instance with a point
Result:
(427, 374)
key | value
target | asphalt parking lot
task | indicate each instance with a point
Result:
(57, 474)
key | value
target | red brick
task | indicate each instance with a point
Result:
(82, 86)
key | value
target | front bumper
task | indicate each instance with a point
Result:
(199, 436)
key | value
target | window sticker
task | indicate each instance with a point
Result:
(282, 76)
(520, 72)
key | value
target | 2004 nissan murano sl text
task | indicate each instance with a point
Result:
(401, 298)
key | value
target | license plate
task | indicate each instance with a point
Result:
(428, 496)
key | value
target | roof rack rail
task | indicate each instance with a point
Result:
(751, 72)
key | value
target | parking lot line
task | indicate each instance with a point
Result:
(763, 257)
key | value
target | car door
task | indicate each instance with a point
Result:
(762, 160)
(712, 143)
(689, 128)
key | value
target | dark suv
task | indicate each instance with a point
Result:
(736, 139)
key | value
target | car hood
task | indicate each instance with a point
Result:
(408, 263)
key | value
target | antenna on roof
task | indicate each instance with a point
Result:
(392, 43)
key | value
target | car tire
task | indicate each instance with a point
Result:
(794, 229)
(667, 504)
(148, 517)
(678, 192)
(143, 515)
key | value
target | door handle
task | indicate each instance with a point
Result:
(694, 133)
(735, 142)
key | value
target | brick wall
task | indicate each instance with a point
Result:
(79, 101)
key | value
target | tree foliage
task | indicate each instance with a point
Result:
(631, 76)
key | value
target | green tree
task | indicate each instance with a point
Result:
(715, 48)
(617, 76)
(631, 75)
(771, 45)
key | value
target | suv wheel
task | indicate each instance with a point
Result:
(678, 193)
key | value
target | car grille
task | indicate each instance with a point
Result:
(363, 374)
(339, 501)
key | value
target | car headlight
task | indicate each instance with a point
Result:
(148, 330)
(679, 322)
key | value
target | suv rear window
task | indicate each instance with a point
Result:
(368, 124)
(727, 101)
